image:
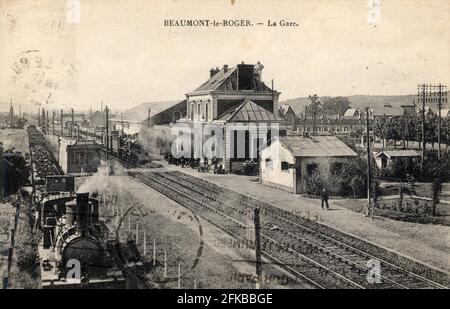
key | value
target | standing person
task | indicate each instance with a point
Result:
(324, 197)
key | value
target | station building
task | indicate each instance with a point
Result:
(241, 105)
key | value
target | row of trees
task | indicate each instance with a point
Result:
(328, 106)
(409, 128)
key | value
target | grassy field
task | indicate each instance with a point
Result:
(14, 138)
(6, 215)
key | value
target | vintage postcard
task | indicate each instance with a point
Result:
(234, 144)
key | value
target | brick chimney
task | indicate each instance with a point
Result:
(213, 72)
(225, 68)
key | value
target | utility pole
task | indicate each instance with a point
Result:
(273, 98)
(101, 113)
(304, 122)
(53, 123)
(442, 98)
(439, 120)
(72, 117)
(258, 248)
(148, 118)
(428, 94)
(107, 133)
(368, 155)
(423, 126)
(62, 123)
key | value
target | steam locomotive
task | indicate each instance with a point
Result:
(74, 250)
(127, 148)
(124, 146)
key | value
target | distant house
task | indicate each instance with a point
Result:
(352, 113)
(289, 160)
(287, 113)
(409, 108)
(388, 111)
(428, 110)
(385, 157)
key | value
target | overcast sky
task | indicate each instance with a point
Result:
(122, 54)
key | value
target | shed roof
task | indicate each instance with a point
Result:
(388, 111)
(399, 153)
(350, 112)
(316, 146)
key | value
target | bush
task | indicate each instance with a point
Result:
(349, 178)
(343, 179)
(315, 183)
(435, 168)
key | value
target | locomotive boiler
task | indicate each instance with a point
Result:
(74, 250)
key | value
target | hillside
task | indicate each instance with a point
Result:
(359, 101)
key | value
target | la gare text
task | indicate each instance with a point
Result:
(226, 23)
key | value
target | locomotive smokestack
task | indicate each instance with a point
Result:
(83, 212)
(71, 210)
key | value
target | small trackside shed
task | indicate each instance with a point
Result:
(288, 160)
(386, 157)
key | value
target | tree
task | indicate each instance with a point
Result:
(14, 173)
(313, 108)
(335, 105)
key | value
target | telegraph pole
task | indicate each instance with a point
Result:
(368, 155)
(53, 123)
(258, 248)
(62, 123)
(107, 133)
(428, 94)
(71, 127)
(439, 120)
(423, 127)
(148, 119)
(47, 129)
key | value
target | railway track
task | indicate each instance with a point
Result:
(310, 251)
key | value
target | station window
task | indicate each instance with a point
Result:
(284, 166)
